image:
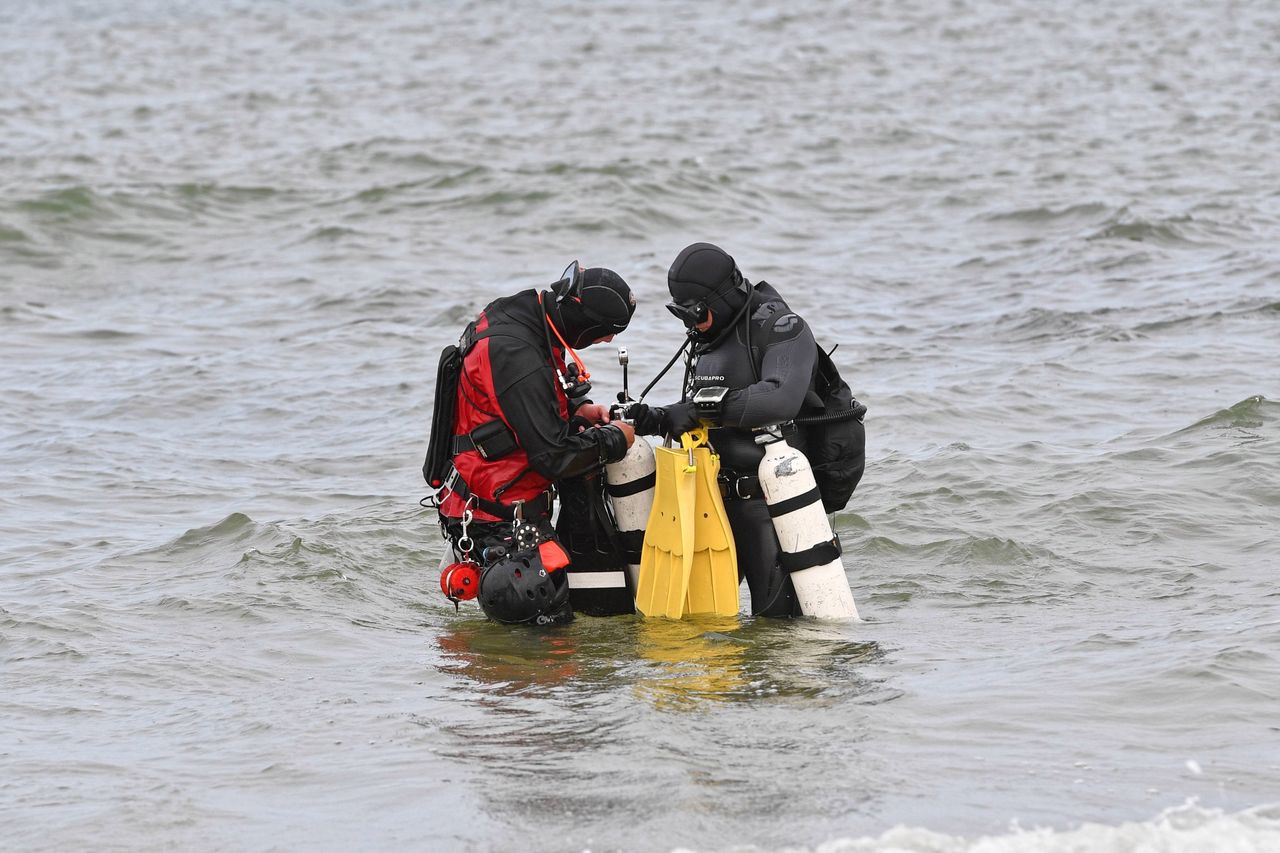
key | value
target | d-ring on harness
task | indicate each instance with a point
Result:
(460, 581)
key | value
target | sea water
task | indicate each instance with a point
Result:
(234, 237)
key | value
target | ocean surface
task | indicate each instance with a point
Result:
(235, 235)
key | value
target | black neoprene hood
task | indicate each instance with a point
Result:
(705, 274)
(602, 306)
(700, 272)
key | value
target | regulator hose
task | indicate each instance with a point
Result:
(857, 410)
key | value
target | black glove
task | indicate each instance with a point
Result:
(679, 418)
(613, 443)
(646, 419)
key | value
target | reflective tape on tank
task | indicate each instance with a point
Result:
(795, 561)
(597, 580)
(800, 501)
(635, 487)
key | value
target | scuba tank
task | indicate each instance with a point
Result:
(630, 485)
(810, 551)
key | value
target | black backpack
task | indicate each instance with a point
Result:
(834, 439)
(439, 461)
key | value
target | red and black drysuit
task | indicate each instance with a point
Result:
(511, 373)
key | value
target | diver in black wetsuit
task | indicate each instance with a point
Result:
(745, 340)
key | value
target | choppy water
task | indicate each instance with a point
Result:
(233, 239)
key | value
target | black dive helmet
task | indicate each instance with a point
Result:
(705, 277)
(518, 588)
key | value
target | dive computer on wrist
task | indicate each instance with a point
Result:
(708, 404)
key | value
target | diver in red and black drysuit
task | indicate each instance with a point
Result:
(522, 421)
(748, 344)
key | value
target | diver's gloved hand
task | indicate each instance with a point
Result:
(593, 413)
(615, 439)
(647, 419)
(679, 418)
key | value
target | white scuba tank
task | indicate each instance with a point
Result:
(810, 551)
(630, 483)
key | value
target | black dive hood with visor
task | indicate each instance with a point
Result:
(589, 304)
(705, 278)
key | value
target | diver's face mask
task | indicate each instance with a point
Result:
(695, 313)
(575, 379)
(689, 313)
(569, 285)
(569, 288)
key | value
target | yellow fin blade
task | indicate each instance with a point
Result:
(667, 556)
(713, 575)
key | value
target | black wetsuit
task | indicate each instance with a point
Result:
(780, 387)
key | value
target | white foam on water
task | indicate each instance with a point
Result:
(1181, 829)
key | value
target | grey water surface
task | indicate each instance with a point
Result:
(234, 237)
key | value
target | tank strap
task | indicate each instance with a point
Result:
(813, 496)
(632, 542)
(635, 487)
(818, 555)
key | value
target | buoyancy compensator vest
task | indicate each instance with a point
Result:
(834, 439)
(493, 439)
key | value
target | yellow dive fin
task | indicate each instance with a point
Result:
(667, 556)
(688, 565)
(713, 578)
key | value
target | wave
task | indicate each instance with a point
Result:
(395, 150)
(332, 234)
(1250, 413)
(1049, 215)
(1043, 324)
(218, 547)
(27, 312)
(53, 225)
(1174, 232)
(12, 235)
(453, 180)
(207, 191)
(1033, 325)
(328, 547)
(28, 637)
(1189, 828)
(1244, 309)
(1112, 223)
(1012, 570)
(171, 202)
(140, 220)
(106, 335)
(76, 203)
